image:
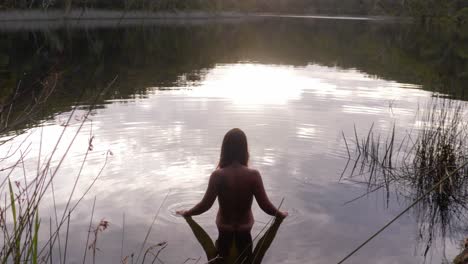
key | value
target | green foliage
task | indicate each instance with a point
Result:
(21, 243)
(434, 11)
(16, 232)
(462, 22)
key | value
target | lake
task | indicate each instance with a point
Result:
(295, 85)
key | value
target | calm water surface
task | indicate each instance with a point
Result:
(172, 104)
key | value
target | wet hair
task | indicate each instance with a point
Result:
(234, 148)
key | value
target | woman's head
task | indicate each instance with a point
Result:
(234, 148)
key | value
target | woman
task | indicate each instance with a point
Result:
(235, 185)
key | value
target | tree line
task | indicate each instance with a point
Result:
(423, 9)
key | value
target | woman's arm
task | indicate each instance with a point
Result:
(207, 201)
(262, 198)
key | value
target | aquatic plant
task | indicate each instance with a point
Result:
(434, 148)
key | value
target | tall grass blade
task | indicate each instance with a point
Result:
(37, 224)
(16, 233)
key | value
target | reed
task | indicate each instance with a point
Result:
(412, 165)
(19, 216)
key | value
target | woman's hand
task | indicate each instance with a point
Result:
(282, 215)
(184, 213)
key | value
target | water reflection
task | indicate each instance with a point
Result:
(173, 54)
(167, 141)
(256, 255)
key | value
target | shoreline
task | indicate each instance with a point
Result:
(17, 20)
(101, 14)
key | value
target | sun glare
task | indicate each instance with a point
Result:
(253, 84)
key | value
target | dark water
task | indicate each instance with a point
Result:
(294, 85)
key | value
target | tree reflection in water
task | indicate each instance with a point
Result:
(170, 55)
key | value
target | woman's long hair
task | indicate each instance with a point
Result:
(234, 148)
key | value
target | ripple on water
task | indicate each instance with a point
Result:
(184, 201)
(295, 217)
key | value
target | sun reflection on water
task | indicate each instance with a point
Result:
(252, 84)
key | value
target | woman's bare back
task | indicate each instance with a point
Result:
(235, 186)
(235, 195)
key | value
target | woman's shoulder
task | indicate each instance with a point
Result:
(253, 175)
(254, 171)
(217, 172)
(227, 170)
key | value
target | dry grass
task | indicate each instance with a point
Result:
(19, 216)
